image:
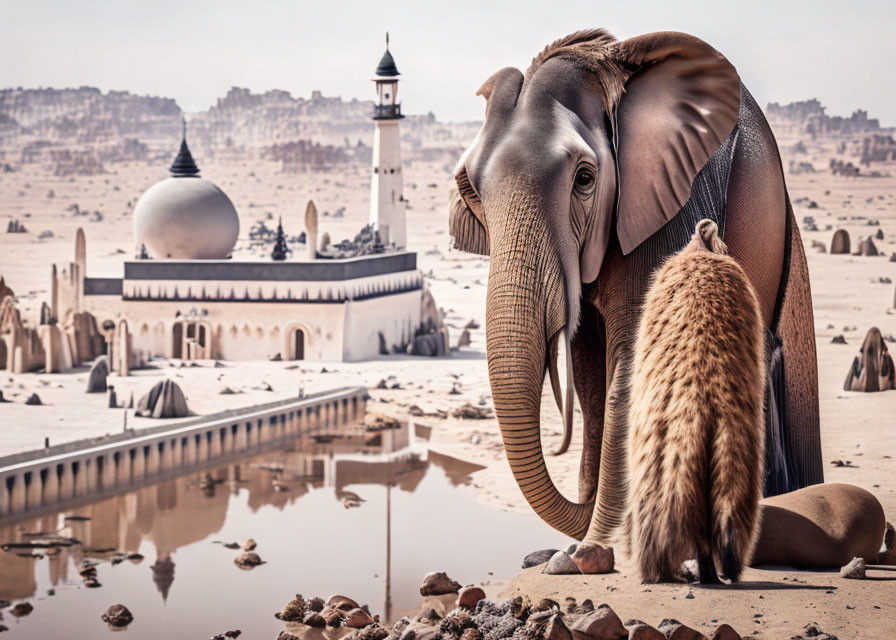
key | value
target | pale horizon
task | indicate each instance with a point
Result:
(194, 53)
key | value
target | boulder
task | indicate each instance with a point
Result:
(438, 584)
(469, 597)
(840, 241)
(294, 610)
(164, 400)
(867, 247)
(538, 557)
(561, 564)
(34, 400)
(118, 615)
(96, 379)
(315, 604)
(314, 619)
(593, 558)
(600, 624)
(333, 617)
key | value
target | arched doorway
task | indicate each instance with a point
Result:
(299, 344)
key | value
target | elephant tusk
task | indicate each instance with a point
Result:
(565, 404)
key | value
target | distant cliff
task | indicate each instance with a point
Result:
(37, 125)
(808, 117)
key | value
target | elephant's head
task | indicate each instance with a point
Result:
(596, 145)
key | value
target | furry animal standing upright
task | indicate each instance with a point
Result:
(696, 444)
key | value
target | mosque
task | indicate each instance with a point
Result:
(185, 297)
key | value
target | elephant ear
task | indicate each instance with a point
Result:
(467, 216)
(679, 105)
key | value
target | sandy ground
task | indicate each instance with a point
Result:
(848, 298)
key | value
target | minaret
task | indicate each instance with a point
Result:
(387, 205)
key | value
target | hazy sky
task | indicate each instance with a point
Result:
(841, 51)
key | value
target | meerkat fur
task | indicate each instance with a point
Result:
(697, 430)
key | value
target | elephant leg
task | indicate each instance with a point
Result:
(796, 327)
(589, 366)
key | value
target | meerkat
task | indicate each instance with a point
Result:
(697, 431)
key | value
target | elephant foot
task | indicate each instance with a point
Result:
(707, 570)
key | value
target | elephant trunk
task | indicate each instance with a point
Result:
(526, 307)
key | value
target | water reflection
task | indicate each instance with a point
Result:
(326, 516)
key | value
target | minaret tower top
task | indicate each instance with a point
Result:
(387, 106)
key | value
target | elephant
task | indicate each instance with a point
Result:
(589, 171)
(872, 369)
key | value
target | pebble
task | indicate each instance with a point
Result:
(248, 560)
(593, 558)
(538, 557)
(469, 597)
(438, 583)
(250, 545)
(118, 615)
(855, 570)
(561, 564)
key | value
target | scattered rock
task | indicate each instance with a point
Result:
(250, 545)
(538, 557)
(838, 339)
(469, 597)
(33, 400)
(370, 632)
(118, 615)
(643, 631)
(96, 379)
(593, 558)
(22, 609)
(314, 619)
(725, 632)
(855, 570)
(333, 617)
(248, 560)
(600, 624)
(438, 584)
(233, 633)
(561, 564)
(342, 603)
(293, 611)
(674, 630)
(164, 400)
(357, 619)
(315, 604)
(472, 412)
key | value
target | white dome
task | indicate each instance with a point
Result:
(186, 218)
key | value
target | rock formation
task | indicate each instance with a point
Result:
(96, 379)
(164, 400)
(840, 242)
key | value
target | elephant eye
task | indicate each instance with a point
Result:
(584, 178)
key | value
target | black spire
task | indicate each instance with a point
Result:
(184, 166)
(280, 248)
(387, 67)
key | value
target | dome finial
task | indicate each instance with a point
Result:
(184, 165)
(387, 41)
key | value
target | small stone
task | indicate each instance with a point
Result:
(92, 583)
(469, 597)
(314, 619)
(438, 584)
(838, 339)
(343, 603)
(593, 558)
(600, 624)
(643, 631)
(538, 557)
(34, 400)
(855, 570)
(22, 609)
(315, 604)
(357, 619)
(248, 560)
(250, 545)
(725, 632)
(118, 615)
(561, 564)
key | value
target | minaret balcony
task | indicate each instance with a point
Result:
(387, 111)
